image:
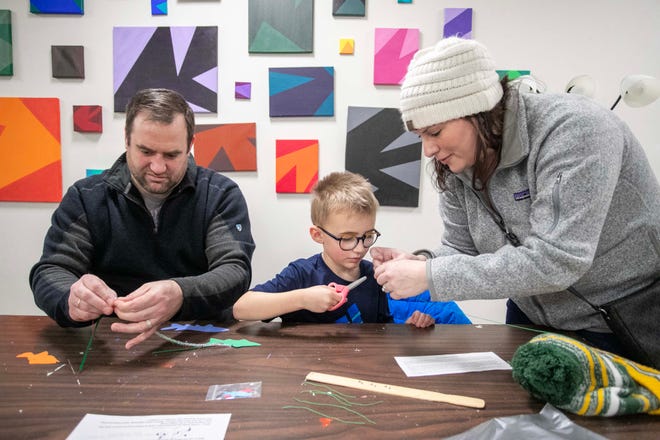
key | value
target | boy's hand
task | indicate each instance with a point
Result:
(380, 255)
(420, 320)
(319, 299)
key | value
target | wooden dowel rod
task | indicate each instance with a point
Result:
(395, 390)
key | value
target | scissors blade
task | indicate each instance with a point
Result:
(356, 283)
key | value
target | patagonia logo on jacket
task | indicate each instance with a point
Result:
(521, 195)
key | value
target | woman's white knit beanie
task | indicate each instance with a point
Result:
(453, 79)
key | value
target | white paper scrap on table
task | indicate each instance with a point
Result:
(415, 366)
(170, 427)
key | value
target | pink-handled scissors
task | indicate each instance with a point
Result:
(339, 288)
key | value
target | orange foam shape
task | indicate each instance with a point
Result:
(39, 358)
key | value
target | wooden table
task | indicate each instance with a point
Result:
(38, 404)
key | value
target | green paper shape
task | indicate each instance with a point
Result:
(236, 343)
(6, 55)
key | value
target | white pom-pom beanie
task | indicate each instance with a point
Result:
(453, 79)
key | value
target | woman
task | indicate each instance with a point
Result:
(538, 193)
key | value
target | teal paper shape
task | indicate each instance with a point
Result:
(236, 343)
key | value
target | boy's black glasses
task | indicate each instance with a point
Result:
(350, 243)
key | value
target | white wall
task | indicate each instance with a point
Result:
(555, 39)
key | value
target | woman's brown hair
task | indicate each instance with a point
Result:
(489, 127)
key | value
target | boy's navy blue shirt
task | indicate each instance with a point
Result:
(368, 298)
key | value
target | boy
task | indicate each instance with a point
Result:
(343, 222)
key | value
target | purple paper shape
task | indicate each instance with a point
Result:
(458, 23)
(208, 328)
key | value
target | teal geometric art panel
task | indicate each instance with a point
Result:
(6, 58)
(280, 26)
(354, 8)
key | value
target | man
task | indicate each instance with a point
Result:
(152, 239)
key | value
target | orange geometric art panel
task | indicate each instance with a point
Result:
(296, 165)
(226, 147)
(30, 150)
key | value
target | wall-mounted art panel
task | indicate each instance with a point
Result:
(30, 150)
(393, 50)
(301, 91)
(354, 8)
(242, 90)
(280, 26)
(458, 23)
(88, 118)
(181, 58)
(296, 165)
(226, 147)
(76, 7)
(512, 74)
(378, 147)
(346, 46)
(68, 61)
(6, 46)
(158, 7)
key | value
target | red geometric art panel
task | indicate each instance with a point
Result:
(88, 118)
(30, 150)
(226, 147)
(296, 165)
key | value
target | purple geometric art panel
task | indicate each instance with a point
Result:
(181, 58)
(301, 91)
(458, 23)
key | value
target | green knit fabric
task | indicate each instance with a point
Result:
(584, 380)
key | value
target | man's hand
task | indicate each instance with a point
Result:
(146, 308)
(420, 320)
(89, 298)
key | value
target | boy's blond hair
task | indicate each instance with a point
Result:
(342, 191)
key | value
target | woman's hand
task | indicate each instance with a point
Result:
(402, 277)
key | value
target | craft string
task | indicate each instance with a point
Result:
(333, 405)
(339, 397)
(508, 325)
(348, 422)
(185, 344)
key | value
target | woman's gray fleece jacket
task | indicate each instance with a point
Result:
(575, 186)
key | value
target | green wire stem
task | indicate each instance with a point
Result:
(348, 422)
(89, 346)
